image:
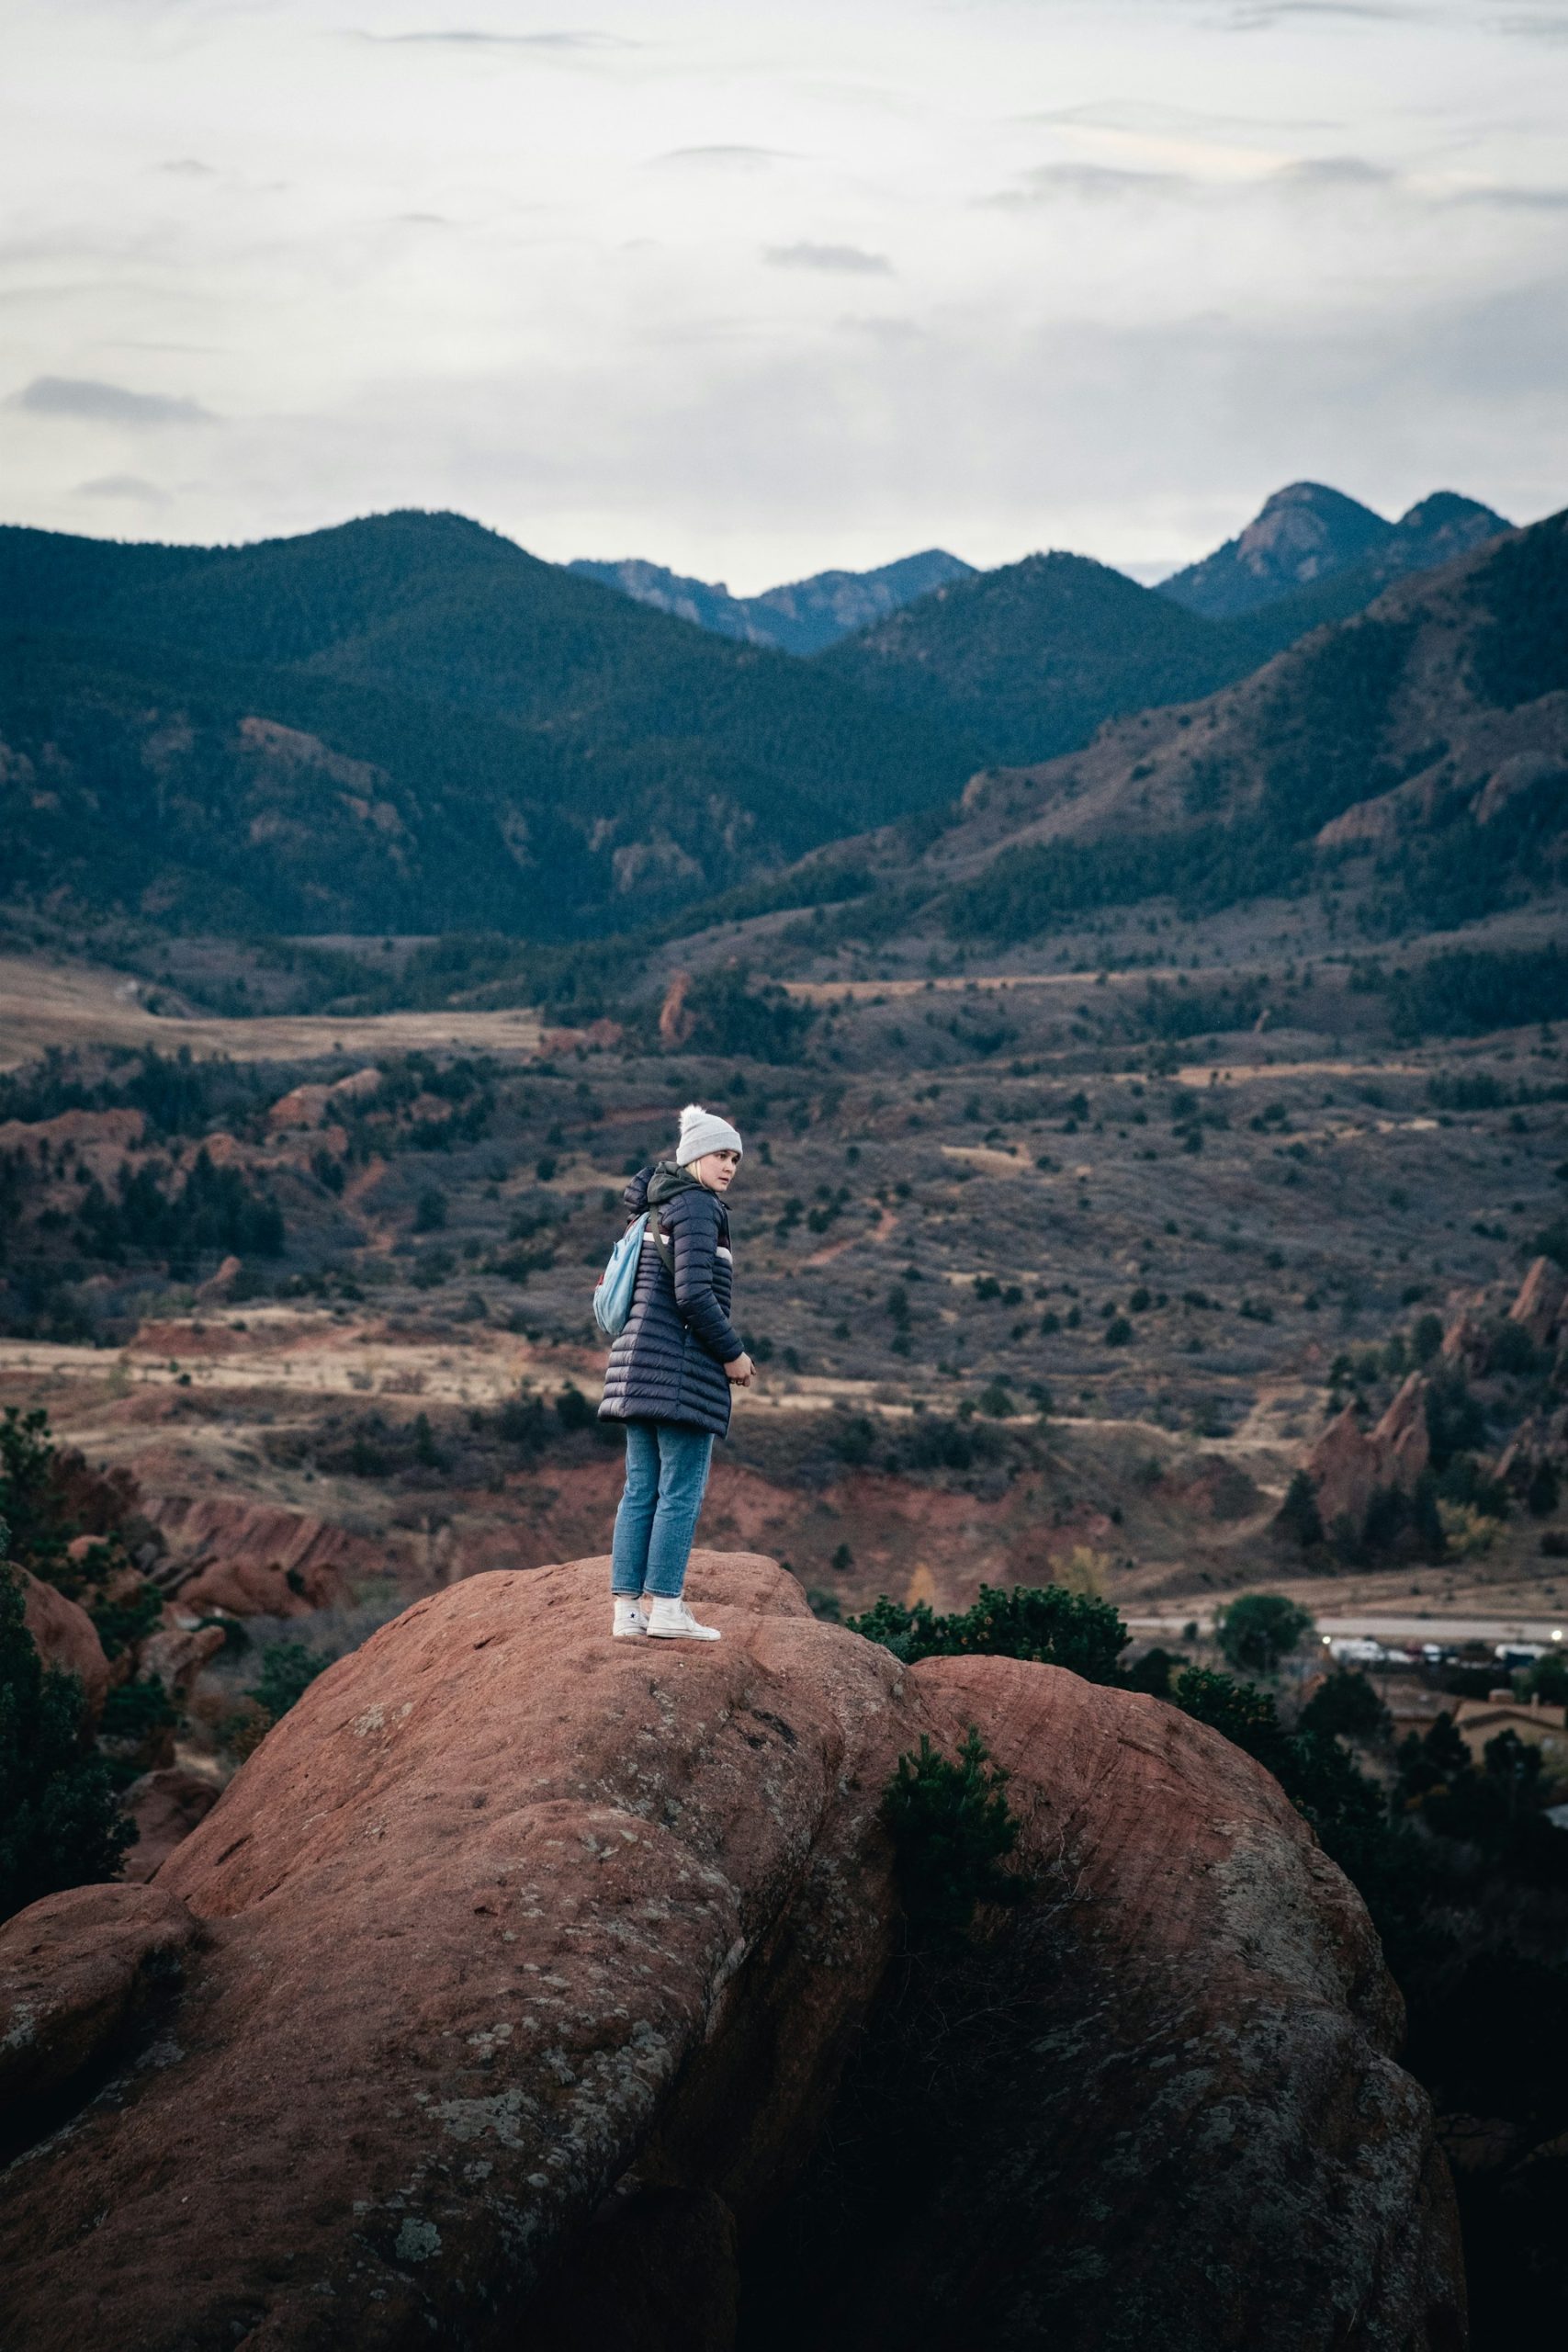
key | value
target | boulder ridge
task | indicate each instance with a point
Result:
(507, 1993)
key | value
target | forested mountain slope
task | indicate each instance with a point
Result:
(409, 722)
(1028, 661)
(1420, 747)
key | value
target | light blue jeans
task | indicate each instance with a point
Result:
(667, 1476)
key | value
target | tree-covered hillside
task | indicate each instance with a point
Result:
(494, 737)
(1418, 751)
(1028, 660)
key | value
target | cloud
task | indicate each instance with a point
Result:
(1535, 27)
(1154, 119)
(846, 260)
(78, 396)
(186, 167)
(1332, 172)
(736, 158)
(1094, 182)
(458, 37)
(1257, 15)
(1516, 199)
(124, 486)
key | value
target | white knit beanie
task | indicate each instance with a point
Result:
(702, 1132)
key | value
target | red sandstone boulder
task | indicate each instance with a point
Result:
(72, 1970)
(64, 1634)
(536, 1961)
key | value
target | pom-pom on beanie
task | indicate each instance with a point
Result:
(702, 1132)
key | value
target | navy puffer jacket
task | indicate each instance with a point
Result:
(668, 1365)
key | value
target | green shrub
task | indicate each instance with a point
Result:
(29, 1500)
(1347, 1706)
(732, 1015)
(1153, 1671)
(1043, 1622)
(1547, 1680)
(574, 1410)
(59, 1823)
(1260, 1629)
(951, 1827)
(287, 1670)
(1298, 1515)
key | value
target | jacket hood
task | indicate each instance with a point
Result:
(666, 1181)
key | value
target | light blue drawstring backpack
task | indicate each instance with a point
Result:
(613, 1297)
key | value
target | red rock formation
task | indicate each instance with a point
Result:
(218, 1283)
(64, 1634)
(102, 1137)
(1539, 1306)
(73, 1968)
(256, 1559)
(1468, 1342)
(176, 1652)
(1349, 1463)
(533, 1953)
(166, 1806)
(599, 1037)
(675, 1023)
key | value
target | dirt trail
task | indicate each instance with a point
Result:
(884, 1230)
(44, 1004)
(846, 992)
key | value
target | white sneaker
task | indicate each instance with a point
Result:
(672, 1621)
(630, 1622)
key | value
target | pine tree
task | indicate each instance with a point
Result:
(59, 1823)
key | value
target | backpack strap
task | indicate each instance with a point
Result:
(661, 1242)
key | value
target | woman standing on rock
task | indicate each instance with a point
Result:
(670, 1373)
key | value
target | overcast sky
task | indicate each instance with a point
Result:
(757, 289)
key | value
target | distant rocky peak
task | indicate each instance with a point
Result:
(1307, 533)
(802, 617)
(1304, 533)
(1437, 529)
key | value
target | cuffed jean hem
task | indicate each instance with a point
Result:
(667, 1476)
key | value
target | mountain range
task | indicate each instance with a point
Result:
(1026, 661)
(803, 618)
(1420, 746)
(1305, 534)
(407, 722)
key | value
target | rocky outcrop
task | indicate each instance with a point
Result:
(534, 1962)
(1349, 1464)
(75, 1969)
(676, 1021)
(64, 1634)
(312, 1106)
(166, 1806)
(1542, 1302)
(98, 1139)
(175, 1652)
(256, 1559)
